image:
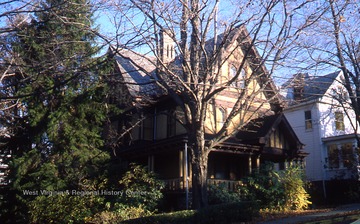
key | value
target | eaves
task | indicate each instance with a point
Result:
(299, 105)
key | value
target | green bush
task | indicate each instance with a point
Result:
(141, 188)
(219, 194)
(63, 208)
(141, 195)
(277, 190)
(124, 212)
(264, 187)
(296, 197)
(222, 213)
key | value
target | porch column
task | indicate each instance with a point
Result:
(182, 168)
(250, 164)
(151, 162)
(186, 175)
(257, 162)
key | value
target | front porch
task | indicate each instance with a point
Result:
(223, 168)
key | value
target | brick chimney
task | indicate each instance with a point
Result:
(299, 86)
(167, 46)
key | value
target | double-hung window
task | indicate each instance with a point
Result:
(308, 120)
(339, 121)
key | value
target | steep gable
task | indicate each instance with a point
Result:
(139, 73)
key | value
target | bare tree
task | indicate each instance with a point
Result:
(332, 43)
(207, 37)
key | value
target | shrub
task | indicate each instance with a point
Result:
(141, 195)
(218, 194)
(123, 212)
(278, 190)
(141, 188)
(62, 208)
(264, 187)
(222, 213)
(296, 197)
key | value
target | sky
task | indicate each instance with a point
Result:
(227, 10)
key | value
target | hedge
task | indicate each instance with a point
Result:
(222, 213)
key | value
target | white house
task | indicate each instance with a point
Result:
(318, 111)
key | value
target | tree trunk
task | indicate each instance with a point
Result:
(199, 163)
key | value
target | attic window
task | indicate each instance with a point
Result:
(341, 93)
(240, 81)
(339, 121)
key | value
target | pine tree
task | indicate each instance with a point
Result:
(61, 96)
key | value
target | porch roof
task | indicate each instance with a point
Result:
(252, 139)
(145, 147)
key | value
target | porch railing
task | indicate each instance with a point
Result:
(231, 185)
(178, 184)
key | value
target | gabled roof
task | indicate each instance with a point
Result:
(142, 83)
(138, 82)
(314, 87)
(259, 130)
(241, 35)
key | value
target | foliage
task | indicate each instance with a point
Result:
(141, 193)
(279, 190)
(141, 188)
(265, 187)
(352, 192)
(57, 125)
(223, 213)
(63, 208)
(122, 213)
(296, 196)
(218, 194)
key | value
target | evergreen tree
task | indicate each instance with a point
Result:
(57, 143)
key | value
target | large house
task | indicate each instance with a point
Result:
(158, 138)
(319, 112)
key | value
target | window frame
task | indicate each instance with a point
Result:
(240, 81)
(339, 121)
(308, 120)
(222, 117)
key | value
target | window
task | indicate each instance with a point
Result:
(339, 121)
(333, 156)
(347, 155)
(148, 128)
(171, 124)
(308, 120)
(340, 155)
(233, 72)
(240, 81)
(221, 117)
